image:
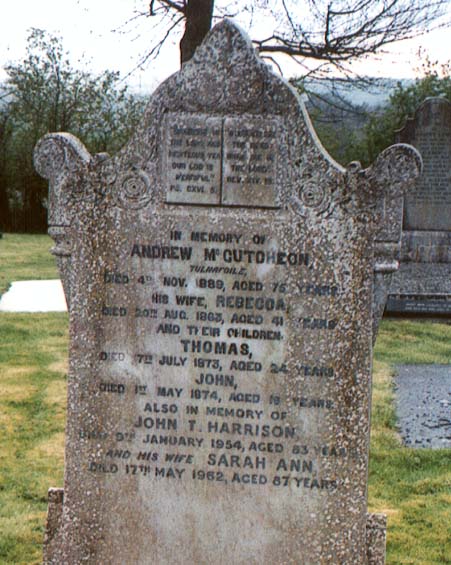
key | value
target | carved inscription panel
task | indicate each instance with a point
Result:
(223, 375)
(193, 155)
(427, 207)
(210, 313)
(221, 161)
(250, 162)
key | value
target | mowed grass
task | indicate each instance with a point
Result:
(411, 486)
(33, 358)
(25, 257)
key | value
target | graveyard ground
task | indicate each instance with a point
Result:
(25, 257)
(413, 487)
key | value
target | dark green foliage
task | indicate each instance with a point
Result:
(382, 125)
(44, 93)
(353, 132)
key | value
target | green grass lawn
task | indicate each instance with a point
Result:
(25, 257)
(33, 357)
(413, 487)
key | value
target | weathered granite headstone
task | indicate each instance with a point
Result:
(423, 283)
(220, 279)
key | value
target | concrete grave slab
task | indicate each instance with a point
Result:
(423, 405)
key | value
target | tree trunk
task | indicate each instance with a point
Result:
(198, 14)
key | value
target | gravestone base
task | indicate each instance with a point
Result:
(376, 537)
(421, 289)
(52, 529)
(422, 285)
(376, 532)
(426, 247)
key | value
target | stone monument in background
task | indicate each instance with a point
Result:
(220, 277)
(387, 251)
(422, 285)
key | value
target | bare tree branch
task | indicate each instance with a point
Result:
(167, 4)
(329, 33)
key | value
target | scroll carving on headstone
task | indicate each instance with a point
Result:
(221, 325)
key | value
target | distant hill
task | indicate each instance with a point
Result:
(368, 92)
(340, 111)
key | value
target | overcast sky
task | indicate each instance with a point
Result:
(88, 30)
(93, 29)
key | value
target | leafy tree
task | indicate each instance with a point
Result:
(44, 94)
(5, 134)
(338, 120)
(352, 132)
(109, 114)
(343, 139)
(380, 132)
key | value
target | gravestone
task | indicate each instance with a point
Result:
(423, 283)
(220, 278)
(387, 252)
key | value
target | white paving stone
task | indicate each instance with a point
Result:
(34, 296)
